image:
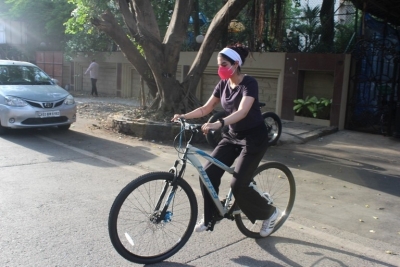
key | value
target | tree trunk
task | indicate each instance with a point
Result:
(159, 64)
(327, 24)
(110, 26)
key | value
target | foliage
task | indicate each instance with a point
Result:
(305, 32)
(43, 19)
(82, 35)
(313, 107)
(344, 39)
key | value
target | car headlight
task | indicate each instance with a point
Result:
(15, 101)
(69, 100)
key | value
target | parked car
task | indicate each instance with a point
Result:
(29, 98)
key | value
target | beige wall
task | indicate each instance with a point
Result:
(267, 68)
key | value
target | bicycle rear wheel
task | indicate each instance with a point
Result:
(137, 231)
(274, 125)
(276, 180)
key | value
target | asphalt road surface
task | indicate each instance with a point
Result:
(56, 189)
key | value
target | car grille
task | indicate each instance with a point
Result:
(45, 104)
(38, 121)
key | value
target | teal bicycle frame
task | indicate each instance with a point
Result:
(191, 153)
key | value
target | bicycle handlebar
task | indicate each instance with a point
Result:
(193, 127)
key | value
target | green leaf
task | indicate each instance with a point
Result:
(298, 108)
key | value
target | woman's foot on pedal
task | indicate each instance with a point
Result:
(268, 225)
(201, 227)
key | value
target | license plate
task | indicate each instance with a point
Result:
(46, 114)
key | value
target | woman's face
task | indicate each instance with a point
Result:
(225, 68)
(222, 62)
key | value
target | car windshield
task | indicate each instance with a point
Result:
(26, 75)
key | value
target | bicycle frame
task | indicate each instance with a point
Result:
(190, 153)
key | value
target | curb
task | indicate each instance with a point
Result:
(159, 131)
(318, 133)
(302, 138)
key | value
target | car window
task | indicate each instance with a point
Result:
(27, 75)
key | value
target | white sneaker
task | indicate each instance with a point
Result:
(201, 227)
(269, 224)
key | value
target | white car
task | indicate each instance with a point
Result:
(29, 98)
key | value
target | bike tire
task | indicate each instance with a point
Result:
(214, 137)
(274, 125)
(132, 232)
(277, 180)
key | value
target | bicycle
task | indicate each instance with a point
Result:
(271, 120)
(154, 216)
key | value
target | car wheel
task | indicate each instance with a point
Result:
(64, 127)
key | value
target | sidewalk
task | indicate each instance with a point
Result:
(301, 133)
(292, 132)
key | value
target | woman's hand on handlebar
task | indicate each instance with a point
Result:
(178, 116)
(210, 127)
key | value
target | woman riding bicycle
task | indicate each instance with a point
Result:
(246, 141)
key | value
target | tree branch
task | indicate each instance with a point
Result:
(146, 19)
(219, 24)
(176, 32)
(110, 26)
(129, 17)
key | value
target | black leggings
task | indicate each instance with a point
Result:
(248, 148)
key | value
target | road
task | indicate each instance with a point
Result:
(57, 188)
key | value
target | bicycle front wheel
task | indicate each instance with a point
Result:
(276, 180)
(136, 228)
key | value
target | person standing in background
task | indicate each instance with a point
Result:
(93, 70)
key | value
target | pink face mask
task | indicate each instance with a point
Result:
(225, 72)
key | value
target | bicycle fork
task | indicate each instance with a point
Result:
(164, 214)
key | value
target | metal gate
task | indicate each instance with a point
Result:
(52, 63)
(373, 89)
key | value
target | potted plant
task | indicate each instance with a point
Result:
(312, 107)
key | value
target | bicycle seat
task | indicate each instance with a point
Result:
(262, 104)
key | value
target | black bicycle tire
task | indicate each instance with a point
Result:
(119, 201)
(214, 137)
(292, 187)
(273, 140)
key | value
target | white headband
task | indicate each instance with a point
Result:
(232, 54)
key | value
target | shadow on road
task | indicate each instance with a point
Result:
(370, 172)
(311, 249)
(71, 142)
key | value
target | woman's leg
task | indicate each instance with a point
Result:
(225, 152)
(249, 200)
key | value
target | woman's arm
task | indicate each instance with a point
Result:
(241, 113)
(201, 111)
